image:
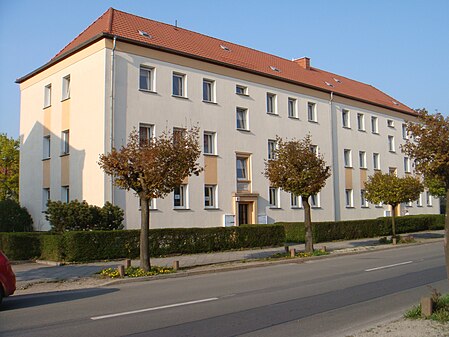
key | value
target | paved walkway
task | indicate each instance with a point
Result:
(35, 272)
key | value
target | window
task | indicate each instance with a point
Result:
(210, 196)
(47, 96)
(408, 204)
(271, 149)
(242, 118)
(393, 171)
(146, 78)
(376, 161)
(45, 198)
(209, 143)
(428, 199)
(292, 113)
(406, 164)
(241, 90)
(419, 201)
(311, 112)
(295, 201)
(151, 205)
(65, 194)
(361, 122)
(314, 149)
(65, 136)
(363, 201)
(345, 118)
(391, 144)
(46, 147)
(349, 198)
(178, 134)
(146, 133)
(180, 196)
(374, 125)
(208, 90)
(243, 177)
(271, 103)
(362, 159)
(404, 131)
(390, 123)
(273, 197)
(178, 85)
(315, 200)
(66, 87)
(347, 158)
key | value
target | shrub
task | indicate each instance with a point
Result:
(80, 216)
(21, 246)
(52, 247)
(14, 218)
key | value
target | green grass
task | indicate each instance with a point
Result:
(440, 312)
(317, 252)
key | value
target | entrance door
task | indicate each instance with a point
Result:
(243, 214)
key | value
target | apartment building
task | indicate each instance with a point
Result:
(125, 72)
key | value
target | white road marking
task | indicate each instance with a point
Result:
(389, 266)
(154, 308)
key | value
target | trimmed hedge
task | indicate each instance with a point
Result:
(21, 246)
(358, 229)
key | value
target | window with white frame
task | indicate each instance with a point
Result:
(208, 90)
(46, 147)
(178, 134)
(241, 90)
(243, 174)
(66, 87)
(45, 198)
(242, 119)
(345, 118)
(146, 78)
(271, 149)
(210, 199)
(391, 147)
(151, 204)
(146, 133)
(292, 110)
(409, 204)
(180, 196)
(314, 149)
(65, 146)
(273, 197)
(374, 125)
(362, 159)
(295, 201)
(393, 171)
(407, 168)
(209, 142)
(361, 122)
(419, 201)
(349, 198)
(179, 85)
(271, 103)
(390, 123)
(404, 131)
(363, 201)
(428, 199)
(376, 161)
(65, 194)
(311, 112)
(47, 95)
(315, 200)
(347, 158)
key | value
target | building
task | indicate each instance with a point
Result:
(126, 72)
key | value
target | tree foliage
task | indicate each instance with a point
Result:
(9, 168)
(152, 169)
(298, 170)
(14, 218)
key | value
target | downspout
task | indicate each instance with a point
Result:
(111, 117)
(335, 161)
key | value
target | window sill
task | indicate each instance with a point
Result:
(244, 95)
(210, 154)
(211, 208)
(350, 207)
(377, 169)
(149, 91)
(361, 130)
(347, 127)
(65, 99)
(418, 205)
(365, 207)
(274, 207)
(64, 154)
(210, 102)
(348, 167)
(315, 207)
(312, 121)
(272, 114)
(181, 209)
(392, 151)
(182, 97)
(293, 117)
(296, 207)
(46, 107)
(45, 159)
(244, 130)
(375, 133)
(364, 168)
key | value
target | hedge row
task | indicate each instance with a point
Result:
(102, 245)
(357, 229)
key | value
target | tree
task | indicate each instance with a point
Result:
(392, 190)
(428, 145)
(9, 168)
(152, 168)
(14, 218)
(297, 169)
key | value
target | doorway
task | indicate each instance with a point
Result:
(243, 214)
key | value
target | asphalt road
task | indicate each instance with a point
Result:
(329, 297)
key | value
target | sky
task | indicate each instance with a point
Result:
(398, 46)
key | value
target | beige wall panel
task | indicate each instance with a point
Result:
(65, 171)
(210, 170)
(46, 174)
(348, 178)
(363, 177)
(65, 118)
(47, 121)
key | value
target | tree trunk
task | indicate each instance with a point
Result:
(393, 224)
(144, 234)
(308, 224)
(446, 233)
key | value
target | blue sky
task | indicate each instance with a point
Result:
(401, 47)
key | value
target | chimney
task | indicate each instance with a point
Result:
(303, 62)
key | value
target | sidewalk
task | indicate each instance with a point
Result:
(29, 273)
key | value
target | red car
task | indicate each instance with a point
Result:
(7, 277)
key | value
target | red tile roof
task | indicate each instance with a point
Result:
(181, 41)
